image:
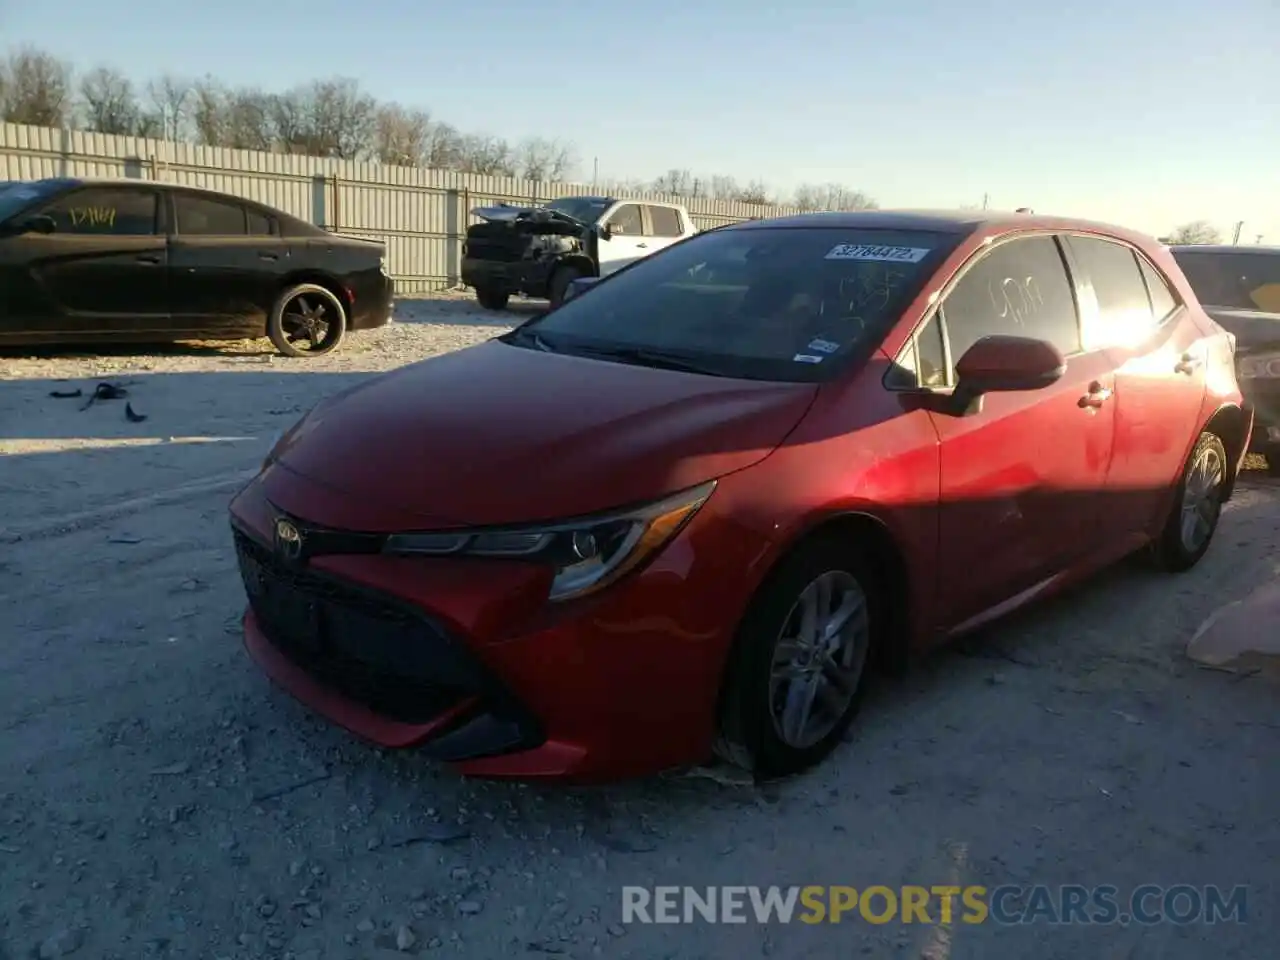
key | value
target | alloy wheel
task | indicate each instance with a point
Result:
(309, 318)
(819, 658)
(1202, 498)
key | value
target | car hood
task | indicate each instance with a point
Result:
(499, 434)
(1252, 328)
(500, 214)
(534, 219)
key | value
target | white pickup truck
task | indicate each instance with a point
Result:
(539, 251)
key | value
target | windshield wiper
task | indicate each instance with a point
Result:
(525, 336)
(643, 356)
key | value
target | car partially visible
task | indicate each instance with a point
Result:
(102, 261)
(1239, 287)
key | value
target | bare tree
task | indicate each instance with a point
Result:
(831, 196)
(338, 118)
(723, 188)
(1196, 232)
(243, 119)
(208, 112)
(541, 159)
(169, 99)
(109, 102)
(676, 182)
(37, 89)
(248, 120)
(443, 148)
(400, 136)
(754, 192)
(487, 156)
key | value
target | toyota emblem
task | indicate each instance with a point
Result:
(288, 540)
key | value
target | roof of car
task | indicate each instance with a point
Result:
(937, 221)
(1224, 248)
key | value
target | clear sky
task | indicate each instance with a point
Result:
(1146, 112)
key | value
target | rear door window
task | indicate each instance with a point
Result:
(260, 225)
(1020, 288)
(204, 217)
(665, 221)
(1163, 300)
(1124, 310)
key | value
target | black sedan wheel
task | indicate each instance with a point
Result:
(307, 321)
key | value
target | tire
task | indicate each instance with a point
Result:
(754, 714)
(560, 281)
(1197, 507)
(307, 312)
(492, 298)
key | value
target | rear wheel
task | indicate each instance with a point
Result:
(307, 321)
(492, 298)
(796, 677)
(1197, 506)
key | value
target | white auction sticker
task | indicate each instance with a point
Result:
(871, 251)
(824, 346)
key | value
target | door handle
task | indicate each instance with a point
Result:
(1096, 397)
(1189, 363)
(642, 246)
(148, 258)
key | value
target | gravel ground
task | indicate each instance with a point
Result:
(158, 798)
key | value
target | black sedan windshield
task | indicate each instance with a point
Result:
(769, 303)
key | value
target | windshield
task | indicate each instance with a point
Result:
(1242, 281)
(16, 195)
(586, 209)
(762, 303)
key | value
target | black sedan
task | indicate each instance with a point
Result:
(85, 261)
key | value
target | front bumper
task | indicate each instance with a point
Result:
(466, 662)
(373, 301)
(516, 276)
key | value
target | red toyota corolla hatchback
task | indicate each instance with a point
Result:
(688, 510)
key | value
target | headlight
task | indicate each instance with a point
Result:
(586, 555)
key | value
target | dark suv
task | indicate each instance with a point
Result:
(1240, 288)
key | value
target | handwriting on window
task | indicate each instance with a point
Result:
(1017, 299)
(101, 217)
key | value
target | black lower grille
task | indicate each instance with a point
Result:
(498, 242)
(372, 651)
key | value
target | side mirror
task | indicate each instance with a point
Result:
(605, 231)
(1004, 364)
(578, 287)
(39, 224)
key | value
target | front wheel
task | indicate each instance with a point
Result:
(796, 676)
(560, 281)
(492, 298)
(307, 321)
(1197, 507)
